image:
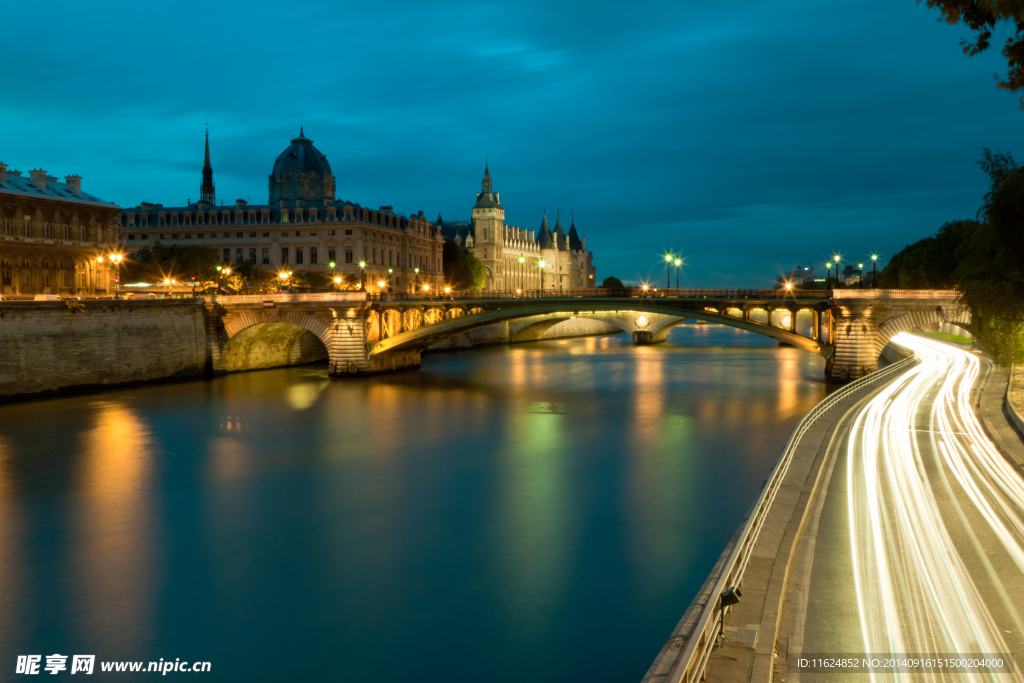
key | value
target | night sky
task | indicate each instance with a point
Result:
(748, 136)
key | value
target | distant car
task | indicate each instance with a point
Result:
(46, 297)
(143, 295)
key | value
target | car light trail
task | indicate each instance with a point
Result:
(936, 517)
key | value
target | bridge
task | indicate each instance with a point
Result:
(360, 334)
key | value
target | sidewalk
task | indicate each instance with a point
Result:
(991, 408)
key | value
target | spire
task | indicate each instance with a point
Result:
(486, 186)
(575, 243)
(207, 193)
(544, 237)
(560, 240)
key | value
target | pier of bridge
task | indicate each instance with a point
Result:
(362, 334)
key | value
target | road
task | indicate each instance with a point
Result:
(917, 545)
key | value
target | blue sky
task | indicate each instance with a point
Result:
(748, 138)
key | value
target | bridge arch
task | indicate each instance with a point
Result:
(645, 319)
(959, 317)
(261, 339)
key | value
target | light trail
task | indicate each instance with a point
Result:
(936, 518)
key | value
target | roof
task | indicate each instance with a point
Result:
(544, 237)
(19, 185)
(302, 157)
(456, 229)
(560, 239)
(574, 239)
(485, 200)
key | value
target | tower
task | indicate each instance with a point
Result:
(489, 231)
(207, 193)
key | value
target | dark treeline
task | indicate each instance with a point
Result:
(982, 258)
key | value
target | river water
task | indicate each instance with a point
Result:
(542, 512)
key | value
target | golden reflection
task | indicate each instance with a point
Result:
(649, 396)
(229, 458)
(116, 554)
(305, 394)
(11, 569)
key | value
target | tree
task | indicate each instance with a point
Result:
(314, 279)
(612, 283)
(982, 16)
(930, 263)
(181, 263)
(462, 270)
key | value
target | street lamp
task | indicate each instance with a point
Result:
(381, 283)
(362, 275)
(679, 262)
(836, 257)
(668, 276)
(874, 276)
(541, 264)
(416, 280)
(860, 282)
(390, 271)
(116, 258)
(337, 283)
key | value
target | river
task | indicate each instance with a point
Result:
(541, 512)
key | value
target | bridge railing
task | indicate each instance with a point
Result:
(690, 665)
(602, 293)
(896, 294)
(285, 298)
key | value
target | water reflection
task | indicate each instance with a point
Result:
(552, 507)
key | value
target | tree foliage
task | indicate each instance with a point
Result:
(982, 16)
(181, 263)
(984, 259)
(462, 270)
(612, 283)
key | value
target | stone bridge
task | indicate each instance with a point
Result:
(362, 334)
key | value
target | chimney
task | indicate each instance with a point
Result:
(38, 177)
(74, 183)
(584, 240)
(3, 173)
(497, 198)
(240, 203)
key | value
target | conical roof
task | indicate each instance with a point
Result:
(545, 240)
(560, 240)
(575, 243)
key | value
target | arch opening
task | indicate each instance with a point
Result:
(272, 345)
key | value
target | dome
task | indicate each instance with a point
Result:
(301, 171)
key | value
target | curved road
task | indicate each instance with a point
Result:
(918, 546)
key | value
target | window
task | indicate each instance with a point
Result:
(81, 279)
(284, 254)
(348, 255)
(330, 255)
(239, 255)
(375, 255)
(146, 236)
(252, 254)
(81, 233)
(66, 232)
(174, 235)
(26, 273)
(266, 256)
(163, 236)
(7, 226)
(252, 234)
(5, 273)
(199, 235)
(331, 233)
(239, 234)
(298, 255)
(312, 216)
(312, 254)
(226, 258)
(65, 277)
(298, 233)
(298, 216)
(28, 227)
(46, 231)
(312, 233)
(266, 234)
(45, 275)
(228, 234)
(213, 235)
(188, 235)
(284, 216)
(284, 234)
(347, 232)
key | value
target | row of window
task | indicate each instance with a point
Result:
(228, 219)
(44, 274)
(65, 230)
(227, 235)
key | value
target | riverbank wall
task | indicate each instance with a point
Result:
(49, 346)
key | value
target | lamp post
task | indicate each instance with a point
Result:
(337, 282)
(837, 270)
(860, 281)
(874, 276)
(380, 284)
(283, 276)
(540, 265)
(391, 285)
(668, 275)
(679, 262)
(522, 260)
(416, 280)
(116, 258)
(334, 275)
(362, 275)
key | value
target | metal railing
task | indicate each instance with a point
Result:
(895, 294)
(602, 293)
(690, 665)
(284, 298)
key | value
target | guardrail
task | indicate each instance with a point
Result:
(895, 294)
(602, 293)
(690, 665)
(284, 298)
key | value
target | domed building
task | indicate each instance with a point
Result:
(303, 227)
(301, 172)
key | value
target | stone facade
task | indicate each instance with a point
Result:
(53, 345)
(54, 238)
(515, 257)
(302, 228)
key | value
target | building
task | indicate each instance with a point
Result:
(302, 227)
(513, 256)
(56, 238)
(799, 276)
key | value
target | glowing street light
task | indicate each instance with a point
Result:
(116, 259)
(874, 276)
(541, 264)
(337, 282)
(679, 262)
(668, 276)
(362, 275)
(416, 279)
